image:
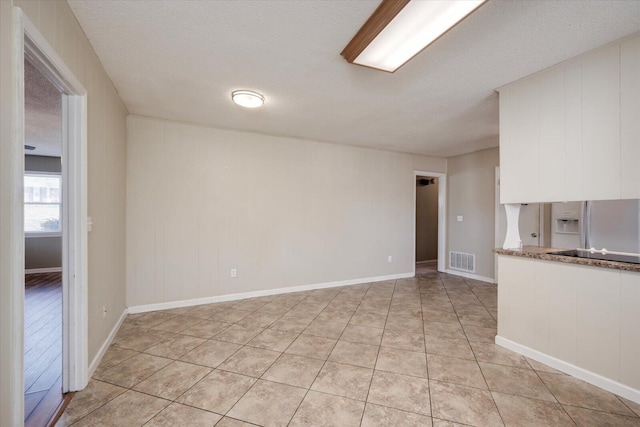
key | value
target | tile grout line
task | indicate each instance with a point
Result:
(426, 356)
(469, 342)
(209, 367)
(325, 360)
(477, 362)
(394, 297)
(299, 334)
(366, 399)
(439, 276)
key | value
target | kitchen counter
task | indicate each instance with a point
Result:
(537, 252)
(577, 315)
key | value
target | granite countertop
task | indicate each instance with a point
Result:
(537, 252)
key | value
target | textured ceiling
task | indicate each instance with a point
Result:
(180, 60)
(42, 114)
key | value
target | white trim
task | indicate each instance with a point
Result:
(496, 225)
(233, 297)
(74, 207)
(470, 275)
(442, 217)
(43, 270)
(427, 261)
(12, 217)
(105, 346)
(573, 370)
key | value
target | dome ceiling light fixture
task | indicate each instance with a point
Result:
(400, 29)
(247, 98)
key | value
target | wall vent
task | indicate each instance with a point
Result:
(462, 261)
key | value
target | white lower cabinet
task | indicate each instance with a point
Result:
(630, 328)
(555, 307)
(586, 316)
(598, 320)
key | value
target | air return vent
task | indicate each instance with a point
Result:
(462, 261)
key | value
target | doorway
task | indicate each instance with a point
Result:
(43, 229)
(430, 189)
(426, 224)
(27, 43)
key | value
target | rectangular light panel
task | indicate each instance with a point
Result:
(415, 27)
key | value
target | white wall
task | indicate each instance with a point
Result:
(282, 211)
(471, 193)
(106, 163)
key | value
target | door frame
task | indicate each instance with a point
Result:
(28, 42)
(442, 217)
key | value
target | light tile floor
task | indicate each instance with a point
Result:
(410, 352)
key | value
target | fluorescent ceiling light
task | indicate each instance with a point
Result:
(399, 29)
(247, 98)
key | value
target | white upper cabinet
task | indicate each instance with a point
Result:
(572, 143)
(630, 119)
(552, 155)
(523, 142)
(572, 132)
(601, 124)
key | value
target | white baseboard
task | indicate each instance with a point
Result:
(429, 261)
(470, 276)
(96, 360)
(43, 270)
(232, 297)
(573, 370)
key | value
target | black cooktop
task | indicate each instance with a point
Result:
(633, 259)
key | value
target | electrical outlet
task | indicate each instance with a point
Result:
(234, 272)
(389, 259)
(104, 311)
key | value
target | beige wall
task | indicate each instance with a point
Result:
(106, 163)
(471, 193)
(282, 211)
(427, 221)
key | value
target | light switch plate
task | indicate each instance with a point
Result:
(459, 218)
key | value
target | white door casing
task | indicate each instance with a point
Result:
(74, 210)
(442, 217)
(28, 42)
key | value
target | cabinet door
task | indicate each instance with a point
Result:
(629, 330)
(507, 151)
(555, 303)
(552, 139)
(520, 173)
(601, 124)
(630, 119)
(573, 131)
(516, 287)
(598, 321)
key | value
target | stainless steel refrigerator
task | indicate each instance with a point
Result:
(613, 225)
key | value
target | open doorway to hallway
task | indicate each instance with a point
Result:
(426, 224)
(43, 228)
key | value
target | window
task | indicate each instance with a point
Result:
(42, 203)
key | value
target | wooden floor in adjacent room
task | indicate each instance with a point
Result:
(427, 267)
(42, 347)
